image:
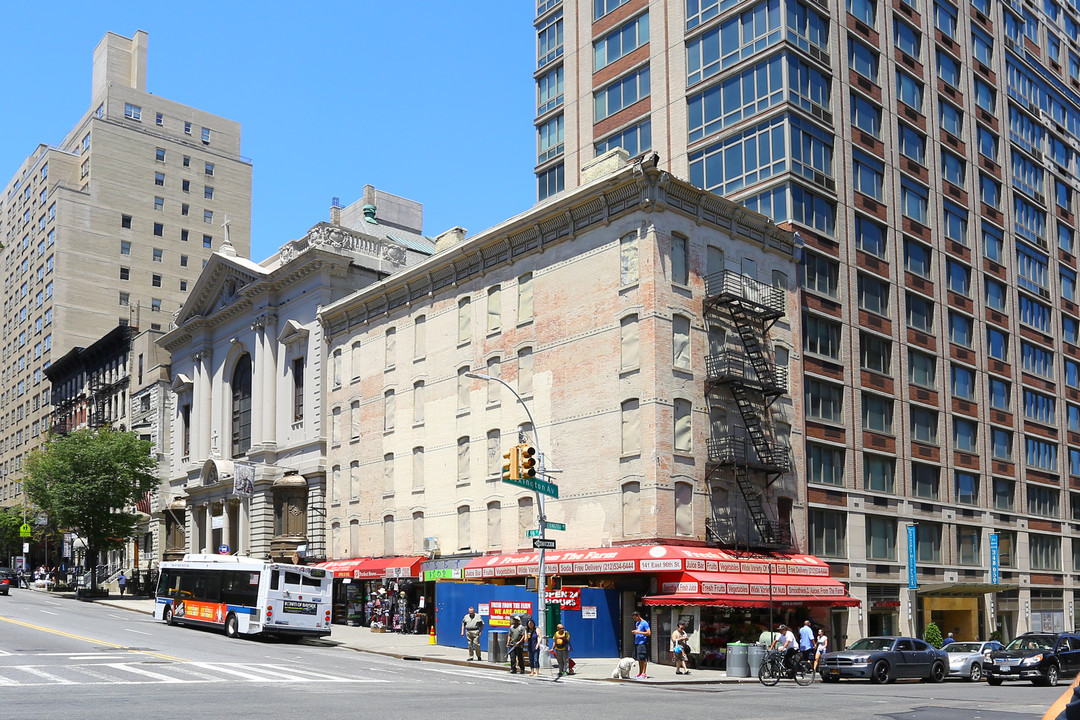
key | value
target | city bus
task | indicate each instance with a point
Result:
(245, 596)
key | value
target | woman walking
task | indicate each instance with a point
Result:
(532, 644)
(560, 645)
(822, 646)
(679, 645)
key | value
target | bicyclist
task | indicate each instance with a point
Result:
(787, 646)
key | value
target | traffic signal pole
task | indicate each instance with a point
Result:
(515, 459)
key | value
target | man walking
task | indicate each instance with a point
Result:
(515, 643)
(471, 627)
(806, 641)
(560, 645)
(642, 631)
(122, 583)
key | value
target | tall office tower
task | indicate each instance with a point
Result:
(926, 152)
(109, 227)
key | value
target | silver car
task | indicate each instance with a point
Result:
(966, 658)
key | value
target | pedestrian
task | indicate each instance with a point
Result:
(560, 645)
(949, 640)
(679, 645)
(471, 627)
(822, 647)
(806, 641)
(642, 631)
(532, 641)
(515, 646)
(121, 581)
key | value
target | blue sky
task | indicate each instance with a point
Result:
(428, 100)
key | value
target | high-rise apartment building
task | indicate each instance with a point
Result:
(109, 227)
(926, 152)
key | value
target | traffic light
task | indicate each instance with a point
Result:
(553, 582)
(526, 460)
(511, 469)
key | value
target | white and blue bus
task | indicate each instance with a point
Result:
(245, 596)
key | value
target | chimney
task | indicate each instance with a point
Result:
(450, 238)
(335, 211)
(609, 162)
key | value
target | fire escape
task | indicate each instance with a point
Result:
(752, 458)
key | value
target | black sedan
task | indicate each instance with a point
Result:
(1041, 658)
(8, 580)
(884, 660)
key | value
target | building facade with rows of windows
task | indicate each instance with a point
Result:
(926, 152)
(108, 228)
(615, 313)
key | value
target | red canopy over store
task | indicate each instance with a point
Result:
(645, 558)
(375, 568)
(750, 590)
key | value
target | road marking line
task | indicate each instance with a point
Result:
(61, 633)
(233, 671)
(139, 671)
(55, 679)
(48, 612)
(293, 672)
(137, 631)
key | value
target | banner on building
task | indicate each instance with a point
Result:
(995, 560)
(244, 480)
(912, 581)
(568, 598)
(502, 610)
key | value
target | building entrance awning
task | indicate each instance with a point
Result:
(645, 558)
(964, 589)
(342, 568)
(751, 590)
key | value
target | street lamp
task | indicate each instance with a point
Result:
(541, 580)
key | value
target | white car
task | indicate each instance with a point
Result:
(966, 658)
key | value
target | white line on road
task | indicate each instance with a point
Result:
(139, 671)
(49, 612)
(137, 631)
(55, 679)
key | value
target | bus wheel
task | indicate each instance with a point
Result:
(166, 615)
(232, 627)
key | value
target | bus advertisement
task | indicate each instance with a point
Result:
(245, 596)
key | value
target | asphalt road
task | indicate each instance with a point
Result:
(66, 659)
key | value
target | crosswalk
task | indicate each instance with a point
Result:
(101, 671)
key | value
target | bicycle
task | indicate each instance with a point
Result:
(773, 669)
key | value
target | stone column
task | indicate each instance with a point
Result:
(268, 365)
(226, 526)
(258, 398)
(208, 528)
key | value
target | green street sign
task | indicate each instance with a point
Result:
(24, 530)
(532, 533)
(536, 484)
(554, 526)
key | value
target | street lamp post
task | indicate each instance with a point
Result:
(541, 580)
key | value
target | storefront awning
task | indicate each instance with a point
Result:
(342, 568)
(391, 567)
(751, 590)
(964, 589)
(645, 558)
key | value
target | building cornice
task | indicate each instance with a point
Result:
(635, 187)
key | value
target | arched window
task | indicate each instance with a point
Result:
(418, 532)
(631, 508)
(241, 406)
(388, 535)
(684, 509)
(494, 524)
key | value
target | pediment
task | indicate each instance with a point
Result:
(221, 284)
(292, 332)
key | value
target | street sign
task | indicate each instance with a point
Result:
(24, 530)
(532, 533)
(223, 549)
(545, 544)
(554, 526)
(536, 484)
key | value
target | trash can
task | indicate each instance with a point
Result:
(755, 654)
(497, 646)
(737, 660)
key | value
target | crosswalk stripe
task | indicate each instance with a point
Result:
(231, 670)
(146, 673)
(54, 679)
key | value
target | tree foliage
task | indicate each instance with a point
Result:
(933, 635)
(11, 519)
(88, 480)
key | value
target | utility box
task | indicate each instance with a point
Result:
(552, 617)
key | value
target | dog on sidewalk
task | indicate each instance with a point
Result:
(622, 670)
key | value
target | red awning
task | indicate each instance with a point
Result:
(391, 567)
(645, 558)
(750, 590)
(342, 568)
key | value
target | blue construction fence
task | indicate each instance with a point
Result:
(594, 629)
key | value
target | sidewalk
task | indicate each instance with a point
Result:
(417, 647)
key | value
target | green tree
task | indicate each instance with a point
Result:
(87, 481)
(11, 519)
(933, 635)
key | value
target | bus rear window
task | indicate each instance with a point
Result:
(292, 578)
(312, 582)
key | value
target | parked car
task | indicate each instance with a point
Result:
(1041, 658)
(884, 660)
(966, 658)
(8, 580)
